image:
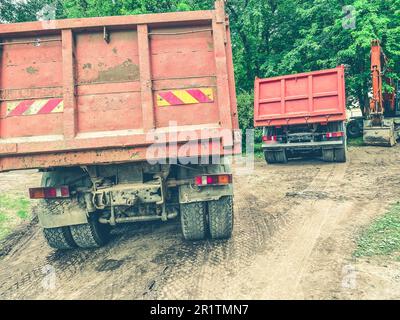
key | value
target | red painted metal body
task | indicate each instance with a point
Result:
(312, 97)
(84, 91)
(380, 99)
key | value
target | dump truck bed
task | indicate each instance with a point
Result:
(101, 90)
(312, 97)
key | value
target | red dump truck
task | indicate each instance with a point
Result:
(122, 115)
(302, 114)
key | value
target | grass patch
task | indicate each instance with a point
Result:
(382, 237)
(13, 211)
(355, 142)
(258, 151)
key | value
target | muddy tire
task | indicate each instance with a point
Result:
(328, 155)
(334, 155)
(340, 154)
(280, 156)
(269, 157)
(90, 235)
(275, 156)
(353, 129)
(220, 218)
(193, 220)
(59, 238)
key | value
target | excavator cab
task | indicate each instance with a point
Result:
(381, 127)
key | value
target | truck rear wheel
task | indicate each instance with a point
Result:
(353, 129)
(275, 156)
(90, 235)
(328, 155)
(334, 155)
(220, 217)
(280, 156)
(193, 220)
(59, 238)
(340, 154)
(269, 157)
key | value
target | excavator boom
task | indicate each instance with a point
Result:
(376, 102)
(379, 129)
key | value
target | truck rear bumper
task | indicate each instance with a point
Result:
(304, 145)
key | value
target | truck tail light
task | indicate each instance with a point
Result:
(49, 193)
(215, 179)
(270, 139)
(335, 134)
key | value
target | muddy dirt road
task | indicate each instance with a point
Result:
(295, 227)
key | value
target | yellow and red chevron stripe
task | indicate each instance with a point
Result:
(185, 96)
(32, 107)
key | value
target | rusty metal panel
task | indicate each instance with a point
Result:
(78, 86)
(31, 100)
(108, 93)
(176, 84)
(300, 98)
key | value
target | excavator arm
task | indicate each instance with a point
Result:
(379, 127)
(376, 108)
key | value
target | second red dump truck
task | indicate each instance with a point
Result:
(126, 117)
(301, 114)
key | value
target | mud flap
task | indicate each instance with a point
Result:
(188, 194)
(379, 135)
(61, 213)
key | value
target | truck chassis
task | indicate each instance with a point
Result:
(93, 199)
(325, 140)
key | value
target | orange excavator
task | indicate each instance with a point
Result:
(382, 123)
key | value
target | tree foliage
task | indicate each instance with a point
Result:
(271, 37)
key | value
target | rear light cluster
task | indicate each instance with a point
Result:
(49, 193)
(270, 139)
(214, 179)
(335, 134)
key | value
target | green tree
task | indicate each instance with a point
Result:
(29, 10)
(271, 37)
(91, 8)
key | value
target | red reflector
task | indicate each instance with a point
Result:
(335, 134)
(214, 179)
(64, 191)
(49, 193)
(269, 139)
(198, 180)
(211, 179)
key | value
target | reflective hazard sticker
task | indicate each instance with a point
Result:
(185, 96)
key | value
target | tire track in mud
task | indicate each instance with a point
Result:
(279, 272)
(207, 269)
(31, 283)
(151, 261)
(286, 272)
(250, 235)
